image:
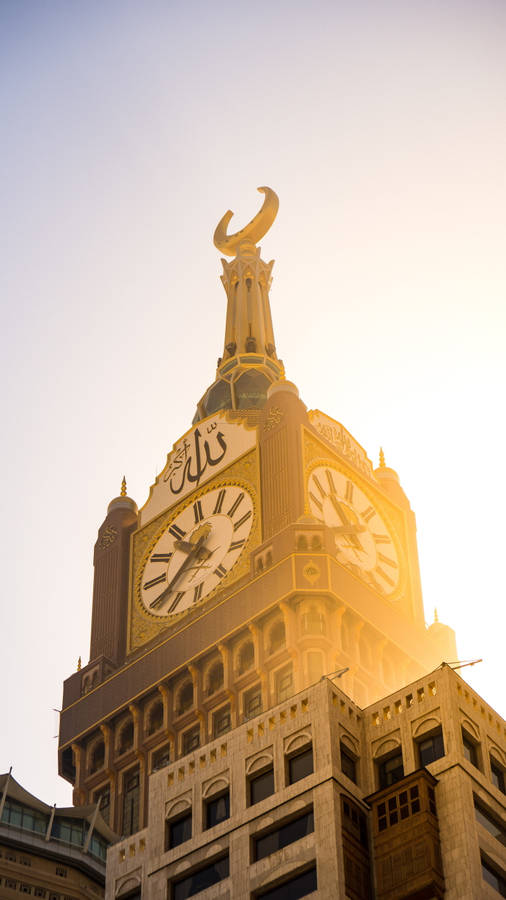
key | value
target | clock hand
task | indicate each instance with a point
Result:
(197, 547)
(349, 528)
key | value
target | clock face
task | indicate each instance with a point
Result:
(363, 541)
(196, 550)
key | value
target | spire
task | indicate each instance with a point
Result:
(436, 617)
(249, 364)
(79, 664)
(382, 459)
(123, 487)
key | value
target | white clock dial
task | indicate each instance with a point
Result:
(196, 550)
(363, 541)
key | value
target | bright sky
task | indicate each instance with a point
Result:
(129, 128)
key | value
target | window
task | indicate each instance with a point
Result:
(221, 721)
(252, 702)
(277, 637)
(25, 889)
(354, 821)
(497, 773)
(401, 806)
(200, 879)
(215, 681)
(61, 871)
(300, 765)
(489, 821)
(97, 757)
(39, 892)
(155, 718)
(126, 739)
(217, 809)
(431, 748)
(493, 876)
(313, 622)
(24, 817)
(104, 795)
(251, 390)
(160, 758)
(178, 830)
(279, 837)
(470, 749)
(246, 657)
(131, 802)
(297, 886)
(191, 739)
(185, 698)
(348, 764)
(390, 770)
(284, 684)
(261, 786)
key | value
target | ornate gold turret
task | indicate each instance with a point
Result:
(249, 364)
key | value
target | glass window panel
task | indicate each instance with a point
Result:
(283, 836)
(497, 773)
(201, 879)
(179, 830)
(493, 877)
(470, 751)
(251, 390)
(348, 765)
(218, 397)
(299, 886)
(488, 820)
(217, 809)
(261, 786)
(431, 748)
(390, 771)
(300, 766)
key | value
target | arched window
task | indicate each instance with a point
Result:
(277, 637)
(185, 698)
(215, 678)
(313, 622)
(126, 738)
(246, 657)
(155, 717)
(97, 757)
(365, 652)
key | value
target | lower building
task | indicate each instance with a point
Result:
(50, 852)
(316, 797)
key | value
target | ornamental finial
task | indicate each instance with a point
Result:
(123, 487)
(382, 458)
(79, 664)
(251, 233)
(436, 617)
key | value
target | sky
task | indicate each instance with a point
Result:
(128, 129)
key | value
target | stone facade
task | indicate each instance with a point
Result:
(438, 843)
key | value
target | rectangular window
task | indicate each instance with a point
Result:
(297, 886)
(200, 879)
(252, 703)
(470, 749)
(131, 803)
(261, 786)
(489, 821)
(160, 758)
(221, 722)
(348, 764)
(431, 748)
(354, 820)
(493, 876)
(390, 770)
(300, 765)
(285, 834)
(217, 809)
(104, 795)
(497, 773)
(178, 830)
(284, 684)
(191, 739)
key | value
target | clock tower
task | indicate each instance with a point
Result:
(270, 552)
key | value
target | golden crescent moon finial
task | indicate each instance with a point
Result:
(253, 232)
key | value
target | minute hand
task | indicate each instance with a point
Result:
(182, 569)
(348, 527)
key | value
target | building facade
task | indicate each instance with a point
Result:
(269, 554)
(49, 852)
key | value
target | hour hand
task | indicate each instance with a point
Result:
(185, 546)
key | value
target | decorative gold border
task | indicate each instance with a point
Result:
(143, 626)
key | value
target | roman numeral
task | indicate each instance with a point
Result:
(197, 511)
(318, 485)
(236, 544)
(349, 492)
(158, 580)
(176, 600)
(176, 532)
(388, 561)
(381, 539)
(315, 501)
(219, 502)
(161, 557)
(330, 479)
(220, 571)
(235, 505)
(242, 521)
(368, 513)
(384, 575)
(197, 592)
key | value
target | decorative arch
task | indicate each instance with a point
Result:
(497, 754)
(154, 716)
(471, 728)
(96, 755)
(427, 725)
(184, 697)
(131, 883)
(350, 743)
(259, 762)
(215, 677)
(302, 739)
(387, 746)
(246, 656)
(180, 805)
(125, 735)
(214, 787)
